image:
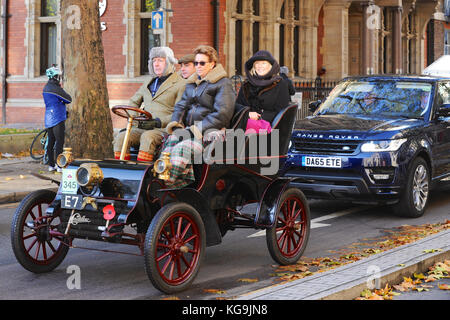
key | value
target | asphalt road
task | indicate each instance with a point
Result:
(242, 254)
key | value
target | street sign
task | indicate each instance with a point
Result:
(157, 20)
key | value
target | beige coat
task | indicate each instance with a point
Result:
(161, 105)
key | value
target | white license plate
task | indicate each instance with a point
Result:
(322, 162)
(69, 184)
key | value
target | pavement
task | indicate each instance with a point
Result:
(343, 282)
(16, 179)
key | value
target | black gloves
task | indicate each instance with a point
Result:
(150, 124)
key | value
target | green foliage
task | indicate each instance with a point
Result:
(150, 5)
(50, 8)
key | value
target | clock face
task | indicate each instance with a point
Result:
(102, 6)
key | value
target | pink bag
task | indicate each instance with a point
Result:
(258, 126)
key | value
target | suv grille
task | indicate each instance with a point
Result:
(320, 146)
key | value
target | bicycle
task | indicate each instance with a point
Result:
(38, 148)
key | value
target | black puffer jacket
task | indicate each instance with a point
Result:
(267, 94)
(206, 103)
(267, 101)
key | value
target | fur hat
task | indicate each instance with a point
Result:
(258, 56)
(162, 52)
(268, 78)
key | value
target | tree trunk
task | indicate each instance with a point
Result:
(88, 127)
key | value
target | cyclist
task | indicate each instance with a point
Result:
(55, 99)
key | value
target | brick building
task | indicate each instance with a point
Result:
(346, 37)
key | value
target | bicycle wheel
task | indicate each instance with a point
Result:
(37, 148)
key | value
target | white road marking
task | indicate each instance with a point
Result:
(315, 223)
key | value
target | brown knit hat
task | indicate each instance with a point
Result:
(187, 58)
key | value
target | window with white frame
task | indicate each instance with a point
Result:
(48, 34)
(148, 38)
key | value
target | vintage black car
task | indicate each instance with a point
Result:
(104, 200)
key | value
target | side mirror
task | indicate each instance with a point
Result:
(444, 110)
(314, 105)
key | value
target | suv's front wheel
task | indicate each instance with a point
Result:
(416, 193)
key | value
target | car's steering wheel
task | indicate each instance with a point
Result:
(124, 112)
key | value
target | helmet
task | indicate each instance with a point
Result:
(53, 72)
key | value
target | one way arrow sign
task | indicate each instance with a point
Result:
(157, 20)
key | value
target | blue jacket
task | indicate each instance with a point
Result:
(55, 99)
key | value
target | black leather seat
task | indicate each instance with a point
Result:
(284, 122)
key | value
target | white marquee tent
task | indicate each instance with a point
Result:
(441, 67)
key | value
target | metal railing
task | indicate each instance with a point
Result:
(311, 90)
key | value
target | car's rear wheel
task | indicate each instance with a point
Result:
(288, 237)
(415, 196)
(174, 247)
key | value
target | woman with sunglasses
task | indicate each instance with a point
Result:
(207, 104)
(264, 91)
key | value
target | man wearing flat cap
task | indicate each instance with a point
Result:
(187, 65)
(157, 95)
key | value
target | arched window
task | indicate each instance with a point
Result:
(289, 35)
(255, 37)
(48, 19)
(247, 19)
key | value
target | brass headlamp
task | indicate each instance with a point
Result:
(89, 174)
(65, 158)
(162, 166)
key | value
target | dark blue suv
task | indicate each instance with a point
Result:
(375, 139)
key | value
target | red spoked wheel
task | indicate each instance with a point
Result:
(33, 241)
(288, 237)
(174, 247)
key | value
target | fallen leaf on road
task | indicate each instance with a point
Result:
(419, 276)
(432, 250)
(248, 280)
(9, 178)
(444, 286)
(216, 291)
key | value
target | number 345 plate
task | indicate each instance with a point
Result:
(69, 184)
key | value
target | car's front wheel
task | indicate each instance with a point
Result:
(33, 244)
(416, 193)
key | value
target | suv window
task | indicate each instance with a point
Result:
(386, 97)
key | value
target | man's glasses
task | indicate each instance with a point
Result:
(202, 63)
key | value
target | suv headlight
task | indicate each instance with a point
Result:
(382, 145)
